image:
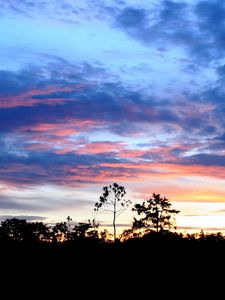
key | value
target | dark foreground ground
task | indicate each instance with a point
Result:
(93, 261)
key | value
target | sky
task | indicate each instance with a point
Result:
(94, 92)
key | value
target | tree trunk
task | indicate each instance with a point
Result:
(157, 220)
(114, 221)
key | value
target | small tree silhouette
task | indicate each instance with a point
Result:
(69, 221)
(80, 230)
(59, 231)
(113, 200)
(157, 213)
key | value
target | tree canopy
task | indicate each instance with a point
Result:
(156, 212)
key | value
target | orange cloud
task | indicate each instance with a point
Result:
(196, 190)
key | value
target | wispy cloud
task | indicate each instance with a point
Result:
(23, 217)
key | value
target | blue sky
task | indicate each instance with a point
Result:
(95, 92)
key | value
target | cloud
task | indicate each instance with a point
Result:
(73, 102)
(40, 167)
(93, 164)
(8, 203)
(63, 11)
(221, 137)
(12, 83)
(163, 22)
(23, 217)
(46, 122)
(100, 147)
(145, 170)
(197, 28)
(205, 159)
(30, 202)
(130, 17)
(28, 101)
(200, 228)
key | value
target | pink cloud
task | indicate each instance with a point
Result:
(164, 152)
(59, 137)
(130, 153)
(100, 147)
(92, 174)
(172, 171)
(26, 98)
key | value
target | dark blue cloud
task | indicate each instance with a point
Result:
(56, 71)
(13, 83)
(221, 137)
(205, 159)
(39, 167)
(132, 17)
(11, 119)
(156, 25)
(120, 109)
(198, 28)
(100, 106)
(172, 11)
(75, 96)
(221, 74)
(211, 16)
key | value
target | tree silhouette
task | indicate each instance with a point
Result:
(113, 200)
(59, 231)
(13, 229)
(105, 235)
(80, 230)
(93, 229)
(157, 213)
(129, 234)
(23, 231)
(68, 234)
(36, 231)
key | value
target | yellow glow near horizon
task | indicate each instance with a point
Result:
(209, 216)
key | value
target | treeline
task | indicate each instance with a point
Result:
(32, 232)
(22, 231)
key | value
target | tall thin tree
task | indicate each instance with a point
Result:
(113, 200)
